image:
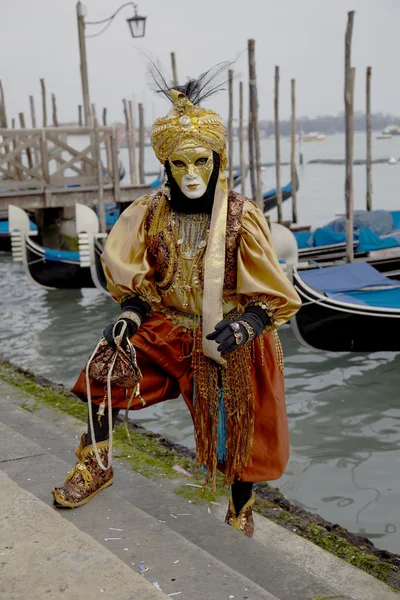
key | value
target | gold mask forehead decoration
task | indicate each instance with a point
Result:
(188, 124)
(190, 156)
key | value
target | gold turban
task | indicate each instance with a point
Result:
(184, 123)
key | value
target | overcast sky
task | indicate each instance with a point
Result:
(38, 38)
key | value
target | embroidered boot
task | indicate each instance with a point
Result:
(86, 478)
(244, 520)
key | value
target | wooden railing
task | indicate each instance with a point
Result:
(46, 159)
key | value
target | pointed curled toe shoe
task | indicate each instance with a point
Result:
(244, 520)
(86, 478)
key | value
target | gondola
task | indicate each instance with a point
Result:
(324, 244)
(60, 269)
(5, 238)
(347, 308)
(270, 197)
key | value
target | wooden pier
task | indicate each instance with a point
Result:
(39, 168)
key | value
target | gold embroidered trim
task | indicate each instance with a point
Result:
(179, 318)
(278, 350)
(186, 320)
(251, 334)
(149, 299)
(267, 304)
(161, 222)
(130, 314)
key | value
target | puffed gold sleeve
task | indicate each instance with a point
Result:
(125, 257)
(260, 278)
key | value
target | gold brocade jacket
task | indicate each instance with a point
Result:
(141, 256)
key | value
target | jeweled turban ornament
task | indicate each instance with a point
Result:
(188, 124)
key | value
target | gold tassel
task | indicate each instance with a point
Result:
(86, 475)
(239, 407)
(278, 351)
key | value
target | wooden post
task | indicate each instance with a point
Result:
(33, 122)
(3, 112)
(301, 145)
(33, 113)
(141, 144)
(18, 156)
(349, 75)
(255, 123)
(3, 118)
(293, 153)
(54, 105)
(241, 142)
(369, 138)
(107, 141)
(133, 134)
(102, 210)
(128, 137)
(44, 103)
(80, 122)
(80, 14)
(278, 147)
(28, 150)
(44, 160)
(174, 69)
(250, 137)
(115, 169)
(230, 129)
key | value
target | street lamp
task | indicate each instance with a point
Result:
(137, 27)
(137, 24)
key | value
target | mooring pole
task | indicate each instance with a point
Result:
(134, 140)
(141, 143)
(80, 15)
(293, 153)
(255, 121)
(44, 103)
(54, 105)
(174, 69)
(230, 129)
(278, 148)
(241, 142)
(102, 210)
(369, 138)
(349, 75)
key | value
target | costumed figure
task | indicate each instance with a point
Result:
(202, 294)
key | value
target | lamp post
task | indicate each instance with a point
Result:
(137, 27)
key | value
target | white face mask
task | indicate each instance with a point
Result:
(193, 186)
(191, 168)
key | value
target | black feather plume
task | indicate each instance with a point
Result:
(205, 85)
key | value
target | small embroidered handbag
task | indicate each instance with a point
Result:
(112, 367)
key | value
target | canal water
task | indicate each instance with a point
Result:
(344, 409)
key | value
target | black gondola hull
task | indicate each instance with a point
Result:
(5, 242)
(55, 274)
(339, 327)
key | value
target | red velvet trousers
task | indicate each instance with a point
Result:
(164, 357)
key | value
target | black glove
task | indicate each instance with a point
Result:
(231, 338)
(132, 304)
(109, 331)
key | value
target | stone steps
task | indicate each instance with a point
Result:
(181, 546)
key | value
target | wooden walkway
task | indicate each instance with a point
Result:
(40, 168)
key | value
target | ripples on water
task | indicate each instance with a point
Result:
(343, 409)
